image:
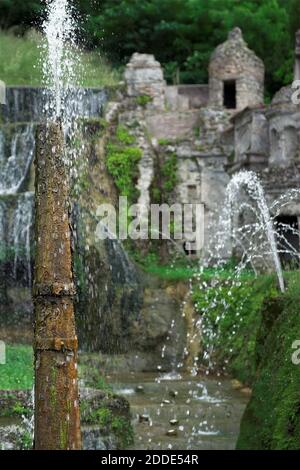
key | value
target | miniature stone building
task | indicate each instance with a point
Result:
(236, 74)
(144, 77)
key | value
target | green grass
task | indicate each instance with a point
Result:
(20, 63)
(179, 273)
(17, 373)
(184, 269)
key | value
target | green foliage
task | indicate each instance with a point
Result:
(122, 163)
(17, 373)
(181, 268)
(164, 142)
(19, 13)
(143, 100)
(191, 29)
(231, 316)
(15, 409)
(119, 426)
(23, 67)
(188, 29)
(25, 441)
(294, 16)
(92, 378)
(165, 180)
(172, 273)
(123, 431)
(272, 417)
(124, 137)
(169, 172)
(19, 410)
(101, 416)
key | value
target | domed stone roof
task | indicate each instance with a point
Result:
(236, 51)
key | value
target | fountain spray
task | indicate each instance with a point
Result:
(250, 181)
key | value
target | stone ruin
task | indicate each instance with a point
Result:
(223, 127)
(144, 77)
(236, 74)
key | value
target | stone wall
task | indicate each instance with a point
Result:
(184, 97)
(251, 139)
(267, 138)
(173, 126)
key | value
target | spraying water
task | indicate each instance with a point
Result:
(248, 225)
(59, 69)
(66, 99)
(250, 181)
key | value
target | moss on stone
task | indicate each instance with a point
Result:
(231, 317)
(122, 160)
(165, 181)
(272, 417)
(123, 431)
(111, 414)
(16, 409)
(123, 136)
(143, 100)
(169, 172)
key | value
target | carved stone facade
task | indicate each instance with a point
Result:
(267, 140)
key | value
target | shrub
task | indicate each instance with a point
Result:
(122, 160)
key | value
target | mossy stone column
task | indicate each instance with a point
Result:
(57, 421)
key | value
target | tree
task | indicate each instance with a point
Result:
(180, 33)
(19, 13)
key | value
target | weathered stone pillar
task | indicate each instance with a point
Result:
(57, 423)
(297, 57)
(144, 76)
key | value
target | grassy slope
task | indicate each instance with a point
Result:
(256, 347)
(17, 373)
(235, 326)
(20, 63)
